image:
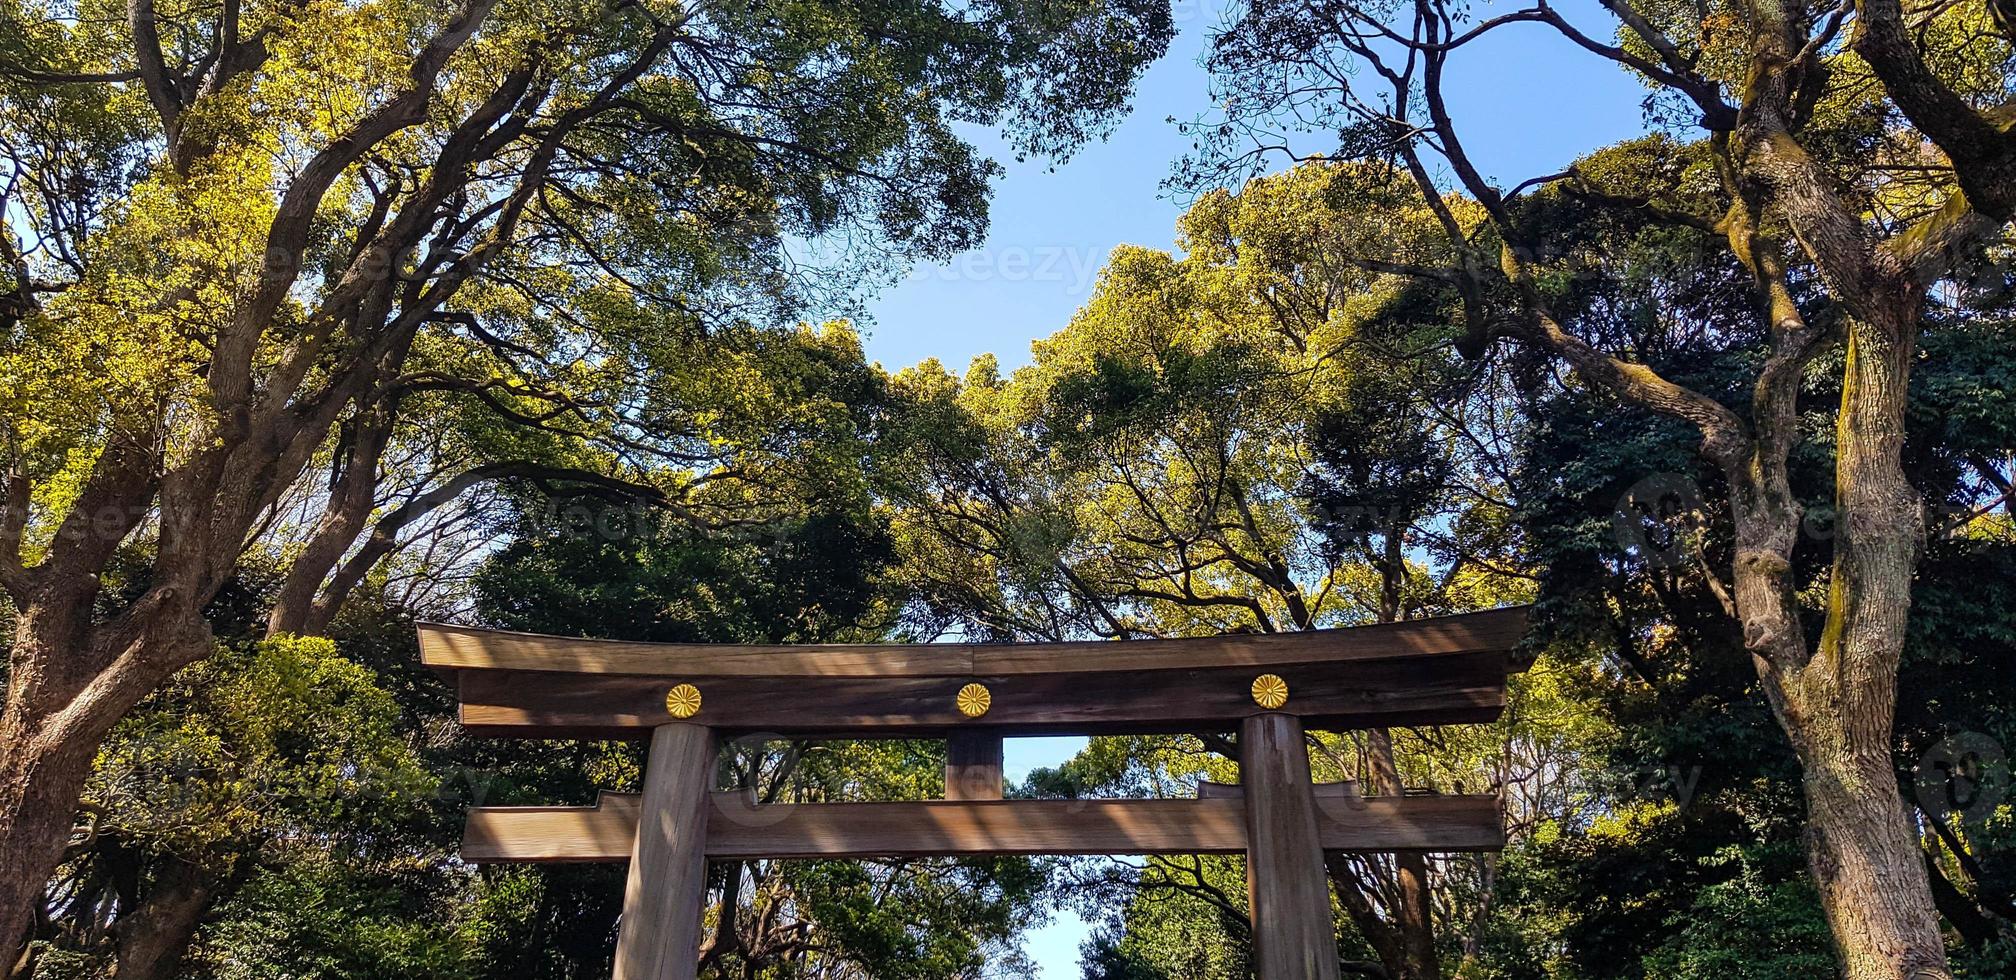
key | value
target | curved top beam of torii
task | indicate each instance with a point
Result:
(1445, 670)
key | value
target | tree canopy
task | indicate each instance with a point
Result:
(324, 318)
(254, 253)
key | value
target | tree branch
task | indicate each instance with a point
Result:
(1981, 145)
(384, 537)
(162, 88)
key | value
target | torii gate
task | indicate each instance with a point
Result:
(1449, 670)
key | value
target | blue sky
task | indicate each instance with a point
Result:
(1527, 101)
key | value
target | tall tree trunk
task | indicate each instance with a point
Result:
(1836, 699)
(352, 492)
(1414, 914)
(41, 778)
(1404, 938)
(1841, 705)
(1869, 868)
(66, 689)
(153, 935)
(1380, 934)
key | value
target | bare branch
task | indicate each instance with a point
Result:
(1674, 71)
(385, 535)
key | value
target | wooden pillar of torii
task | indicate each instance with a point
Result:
(1269, 687)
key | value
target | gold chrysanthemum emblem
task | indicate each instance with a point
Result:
(1270, 691)
(683, 701)
(974, 700)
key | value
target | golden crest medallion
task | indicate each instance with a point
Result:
(1270, 691)
(974, 700)
(683, 701)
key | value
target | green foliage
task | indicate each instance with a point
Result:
(1667, 842)
(1265, 431)
(270, 740)
(316, 919)
(1106, 957)
(1180, 923)
(1226, 442)
(916, 921)
(1996, 959)
(1708, 881)
(579, 567)
(279, 282)
(268, 760)
(1762, 922)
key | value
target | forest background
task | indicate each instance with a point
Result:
(611, 386)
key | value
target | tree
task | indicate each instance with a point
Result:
(264, 756)
(1220, 443)
(1705, 818)
(1855, 147)
(795, 401)
(236, 233)
(331, 882)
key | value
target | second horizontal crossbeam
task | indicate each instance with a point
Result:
(738, 830)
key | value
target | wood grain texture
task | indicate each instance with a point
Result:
(1429, 690)
(658, 937)
(736, 829)
(1294, 937)
(460, 648)
(1497, 630)
(1345, 790)
(552, 834)
(457, 648)
(973, 765)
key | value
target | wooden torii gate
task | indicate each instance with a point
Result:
(1271, 687)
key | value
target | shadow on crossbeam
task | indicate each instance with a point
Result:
(1216, 825)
